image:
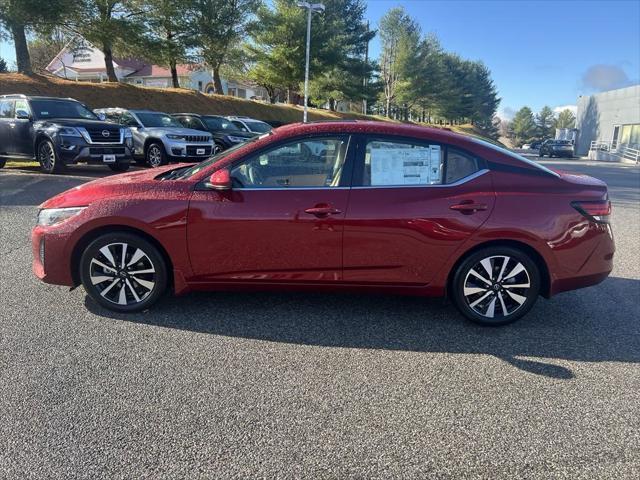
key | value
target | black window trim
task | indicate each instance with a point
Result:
(363, 139)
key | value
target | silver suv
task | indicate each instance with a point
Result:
(159, 138)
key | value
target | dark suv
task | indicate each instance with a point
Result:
(556, 148)
(58, 132)
(225, 133)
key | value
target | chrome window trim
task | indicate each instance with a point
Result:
(288, 188)
(463, 180)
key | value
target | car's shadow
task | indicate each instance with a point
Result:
(575, 326)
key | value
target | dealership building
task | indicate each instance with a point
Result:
(610, 119)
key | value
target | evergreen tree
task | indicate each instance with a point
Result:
(566, 119)
(3, 65)
(523, 126)
(545, 120)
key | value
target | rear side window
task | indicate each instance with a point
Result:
(459, 165)
(398, 163)
(6, 108)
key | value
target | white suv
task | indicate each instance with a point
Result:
(251, 125)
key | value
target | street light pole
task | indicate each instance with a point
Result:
(311, 7)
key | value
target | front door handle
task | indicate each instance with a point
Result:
(322, 211)
(468, 207)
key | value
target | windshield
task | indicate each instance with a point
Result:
(44, 109)
(152, 119)
(219, 123)
(516, 156)
(259, 127)
(191, 171)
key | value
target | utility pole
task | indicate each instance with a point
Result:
(311, 7)
(365, 78)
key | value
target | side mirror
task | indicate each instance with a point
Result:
(23, 115)
(101, 116)
(220, 180)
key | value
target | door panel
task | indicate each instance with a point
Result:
(283, 220)
(404, 234)
(266, 235)
(22, 143)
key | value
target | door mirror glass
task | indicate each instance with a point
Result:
(220, 180)
(102, 116)
(23, 115)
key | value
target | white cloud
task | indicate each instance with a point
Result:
(605, 77)
(573, 108)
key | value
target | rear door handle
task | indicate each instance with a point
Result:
(322, 211)
(469, 207)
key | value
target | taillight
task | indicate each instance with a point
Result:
(598, 211)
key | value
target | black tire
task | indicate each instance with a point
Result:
(474, 297)
(119, 167)
(48, 158)
(217, 148)
(106, 285)
(3, 162)
(154, 155)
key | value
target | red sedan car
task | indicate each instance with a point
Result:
(349, 206)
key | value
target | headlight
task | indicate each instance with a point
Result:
(69, 132)
(236, 139)
(175, 137)
(52, 216)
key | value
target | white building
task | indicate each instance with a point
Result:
(85, 63)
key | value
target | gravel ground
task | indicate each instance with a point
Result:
(234, 385)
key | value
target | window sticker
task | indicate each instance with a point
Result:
(405, 166)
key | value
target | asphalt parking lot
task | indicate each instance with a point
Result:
(316, 386)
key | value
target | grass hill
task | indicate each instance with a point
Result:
(102, 95)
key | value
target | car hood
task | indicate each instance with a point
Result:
(76, 122)
(110, 187)
(173, 131)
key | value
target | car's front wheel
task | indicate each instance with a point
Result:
(49, 160)
(123, 272)
(155, 155)
(496, 285)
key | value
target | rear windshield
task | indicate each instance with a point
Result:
(153, 120)
(44, 109)
(217, 123)
(515, 155)
(562, 142)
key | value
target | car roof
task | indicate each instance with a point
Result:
(199, 115)
(14, 96)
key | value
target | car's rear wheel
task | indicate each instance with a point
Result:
(496, 285)
(155, 155)
(119, 167)
(49, 160)
(123, 272)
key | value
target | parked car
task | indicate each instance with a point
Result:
(556, 148)
(158, 138)
(58, 132)
(526, 146)
(225, 134)
(247, 124)
(387, 208)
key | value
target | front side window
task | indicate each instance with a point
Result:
(219, 123)
(310, 163)
(128, 120)
(46, 109)
(22, 106)
(398, 163)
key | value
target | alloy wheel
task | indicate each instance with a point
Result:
(497, 286)
(122, 274)
(46, 156)
(154, 156)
